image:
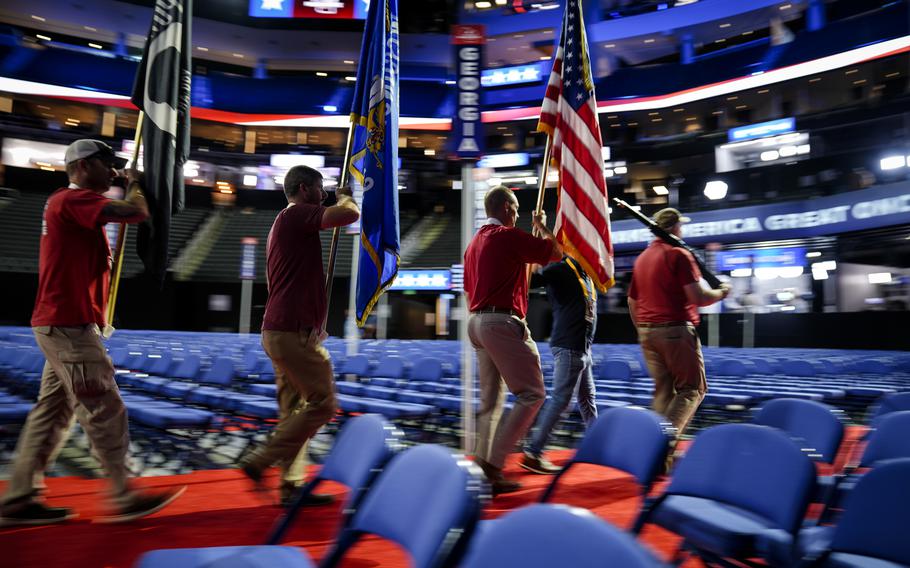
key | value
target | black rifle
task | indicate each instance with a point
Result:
(675, 241)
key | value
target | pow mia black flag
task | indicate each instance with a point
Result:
(162, 92)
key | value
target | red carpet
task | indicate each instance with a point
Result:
(217, 510)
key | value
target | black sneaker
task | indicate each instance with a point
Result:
(143, 504)
(289, 495)
(539, 464)
(498, 483)
(35, 514)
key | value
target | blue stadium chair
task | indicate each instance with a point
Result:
(426, 500)
(872, 532)
(555, 535)
(614, 370)
(816, 427)
(893, 402)
(361, 449)
(357, 365)
(633, 440)
(227, 557)
(740, 492)
(389, 367)
(888, 441)
(427, 369)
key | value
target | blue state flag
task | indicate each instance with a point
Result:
(374, 154)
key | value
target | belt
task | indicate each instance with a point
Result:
(664, 324)
(492, 310)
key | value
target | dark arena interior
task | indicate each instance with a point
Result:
(777, 131)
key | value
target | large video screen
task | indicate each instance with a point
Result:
(332, 9)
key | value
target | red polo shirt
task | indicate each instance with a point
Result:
(74, 260)
(495, 273)
(294, 270)
(659, 277)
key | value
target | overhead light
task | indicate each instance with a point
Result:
(716, 189)
(350, 78)
(741, 272)
(96, 46)
(90, 28)
(44, 37)
(785, 6)
(530, 180)
(450, 82)
(893, 162)
(828, 265)
(802, 149)
(650, 40)
(661, 190)
(39, 18)
(819, 275)
(429, 152)
(348, 62)
(790, 271)
(879, 278)
(766, 273)
(545, 58)
(769, 155)
(482, 5)
(330, 108)
(787, 151)
(621, 170)
(609, 45)
(321, 74)
(501, 2)
(238, 55)
(725, 25)
(813, 254)
(200, 48)
(608, 173)
(250, 180)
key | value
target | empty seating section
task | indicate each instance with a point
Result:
(222, 262)
(223, 384)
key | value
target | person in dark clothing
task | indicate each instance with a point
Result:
(573, 299)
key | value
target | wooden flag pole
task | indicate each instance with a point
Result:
(121, 236)
(542, 188)
(333, 251)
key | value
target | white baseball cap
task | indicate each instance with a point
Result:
(86, 148)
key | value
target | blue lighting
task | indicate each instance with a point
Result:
(762, 129)
(511, 75)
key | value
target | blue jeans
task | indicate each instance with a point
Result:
(573, 373)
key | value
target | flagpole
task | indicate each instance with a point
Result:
(544, 172)
(542, 188)
(333, 251)
(121, 235)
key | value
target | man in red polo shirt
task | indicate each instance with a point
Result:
(293, 324)
(664, 298)
(78, 378)
(496, 282)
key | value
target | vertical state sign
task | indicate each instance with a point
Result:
(467, 130)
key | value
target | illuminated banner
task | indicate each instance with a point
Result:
(513, 160)
(422, 280)
(248, 258)
(853, 211)
(467, 131)
(762, 129)
(512, 75)
(761, 258)
(337, 9)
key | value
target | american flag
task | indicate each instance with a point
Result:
(569, 116)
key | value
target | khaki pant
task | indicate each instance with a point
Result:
(674, 360)
(77, 383)
(505, 353)
(306, 398)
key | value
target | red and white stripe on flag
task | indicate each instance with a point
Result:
(569, 116)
